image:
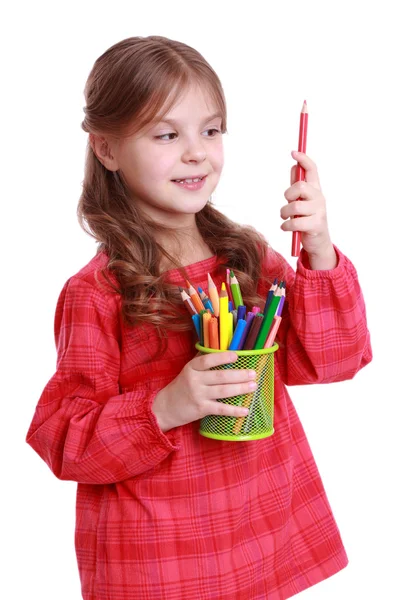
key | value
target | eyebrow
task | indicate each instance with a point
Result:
(209, 118)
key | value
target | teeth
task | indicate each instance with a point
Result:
(189, 180)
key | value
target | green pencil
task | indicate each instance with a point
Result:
(266, 324)
(235, 289)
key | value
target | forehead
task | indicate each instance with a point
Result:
(195, 102)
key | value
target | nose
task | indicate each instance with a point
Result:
(194, 151)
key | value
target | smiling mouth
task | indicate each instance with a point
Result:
(190, 179)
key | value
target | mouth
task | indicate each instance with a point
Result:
(194, 179)
(194, 184)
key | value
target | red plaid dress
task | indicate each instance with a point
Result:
(175, 515)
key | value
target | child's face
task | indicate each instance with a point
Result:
(192, 147)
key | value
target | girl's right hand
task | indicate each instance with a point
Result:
(194, 392)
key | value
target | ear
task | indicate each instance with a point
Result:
(102, 149)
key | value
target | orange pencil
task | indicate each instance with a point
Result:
(213, 295)
(213, 331)
(187, 302)
(195, 298)
(206, 330)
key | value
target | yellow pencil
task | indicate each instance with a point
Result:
(223, 318)
(230, 327)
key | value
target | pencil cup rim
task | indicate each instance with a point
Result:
(273, 348)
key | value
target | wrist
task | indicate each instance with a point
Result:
(323, 260)
(159, 409)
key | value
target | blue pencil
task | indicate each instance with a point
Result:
(196, 321)
(237, 336)
(241, 312)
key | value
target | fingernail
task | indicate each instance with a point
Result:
(252, 374)
(244, 411)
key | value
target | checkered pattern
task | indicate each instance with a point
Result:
(179, 516)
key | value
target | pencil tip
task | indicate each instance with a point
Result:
(180, 288)
(223, 286)
(304, 109)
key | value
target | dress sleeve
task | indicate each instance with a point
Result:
(323, 336)
(83, 427)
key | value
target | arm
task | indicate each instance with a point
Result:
(83, 428)
(323, 335)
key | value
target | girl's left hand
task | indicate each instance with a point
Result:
(312, 222)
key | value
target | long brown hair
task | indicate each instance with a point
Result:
(126, 89)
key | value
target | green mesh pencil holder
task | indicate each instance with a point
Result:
(259, 423)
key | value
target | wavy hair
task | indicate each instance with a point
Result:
(128, 87)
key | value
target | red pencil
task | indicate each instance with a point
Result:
(300, 173)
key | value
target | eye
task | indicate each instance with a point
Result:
(216, 131)
(160, 137)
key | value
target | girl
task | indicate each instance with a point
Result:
(162, 512)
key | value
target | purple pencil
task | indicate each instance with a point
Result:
(249, 318)
(281, 301)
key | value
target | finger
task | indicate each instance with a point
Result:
(221, 408)
(301, 189)
(294, 174)
(300, 224)
(229, 390)
(310, 168)
(298, 207)
(214, 359)
(227, 376)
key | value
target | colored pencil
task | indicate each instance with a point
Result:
(300, 172)
(205, 299)
(266, 324)
(241, 312)
(213, 295)
(235, 319)
(230, 327)
(228, 285)
(276, 321)
(282, 301)
(270, 294)
(196, 322)
(223, 318)
(206, 330)
(253, 333)
(187, 302)
(249, 319)
(195, 298)
(256, 309)
(237, 336)
(213, 327)
(235, 288)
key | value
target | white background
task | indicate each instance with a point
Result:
(342, 57)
